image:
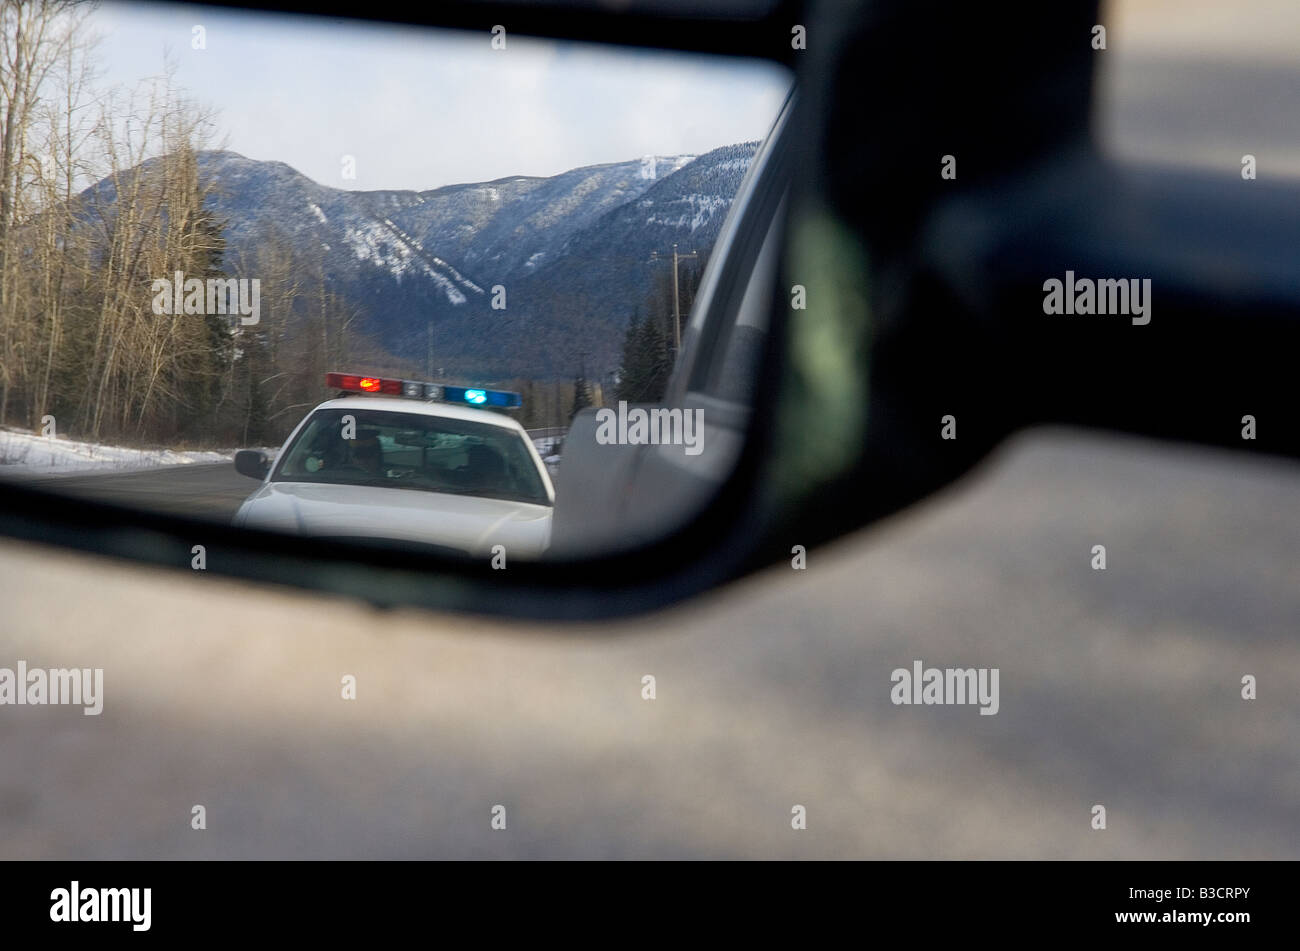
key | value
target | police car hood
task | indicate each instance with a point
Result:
(472, 524)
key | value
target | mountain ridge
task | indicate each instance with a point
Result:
(421, 265)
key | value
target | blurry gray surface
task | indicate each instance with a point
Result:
(1119, 687)
(1206, 114)
(1201, 83)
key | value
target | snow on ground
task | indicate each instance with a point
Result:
(30, 453)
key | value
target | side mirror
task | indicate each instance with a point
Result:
(252, 463)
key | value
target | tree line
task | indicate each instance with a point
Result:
(80, 340)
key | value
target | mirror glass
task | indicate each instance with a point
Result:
(363, 281)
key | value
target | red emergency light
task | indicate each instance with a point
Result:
(363, 384)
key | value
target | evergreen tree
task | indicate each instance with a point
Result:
(647, 362)
(581, 396)
(658, 350)
(632, 370)
(254, 355)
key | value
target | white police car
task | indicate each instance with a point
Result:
(408, 461)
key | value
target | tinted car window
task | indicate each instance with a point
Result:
(413, 451)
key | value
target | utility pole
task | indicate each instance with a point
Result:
(677, 302)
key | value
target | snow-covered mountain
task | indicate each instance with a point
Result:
(570, 250)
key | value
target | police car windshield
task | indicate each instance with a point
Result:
(412, 451)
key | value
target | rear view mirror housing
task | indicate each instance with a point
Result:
(908, 333)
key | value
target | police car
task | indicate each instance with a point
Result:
(422, 463)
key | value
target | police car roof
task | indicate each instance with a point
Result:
(387, 404)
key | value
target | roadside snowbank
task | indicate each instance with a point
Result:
(28, 453)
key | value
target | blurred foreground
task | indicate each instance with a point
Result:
(1119, 687)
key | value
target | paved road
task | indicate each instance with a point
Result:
(201, 491)
(206, 491)
(1118, 687)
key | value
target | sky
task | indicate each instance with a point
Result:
(418, 108)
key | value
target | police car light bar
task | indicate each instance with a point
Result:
(416, 390)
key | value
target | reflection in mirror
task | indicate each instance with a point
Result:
(465, 292)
